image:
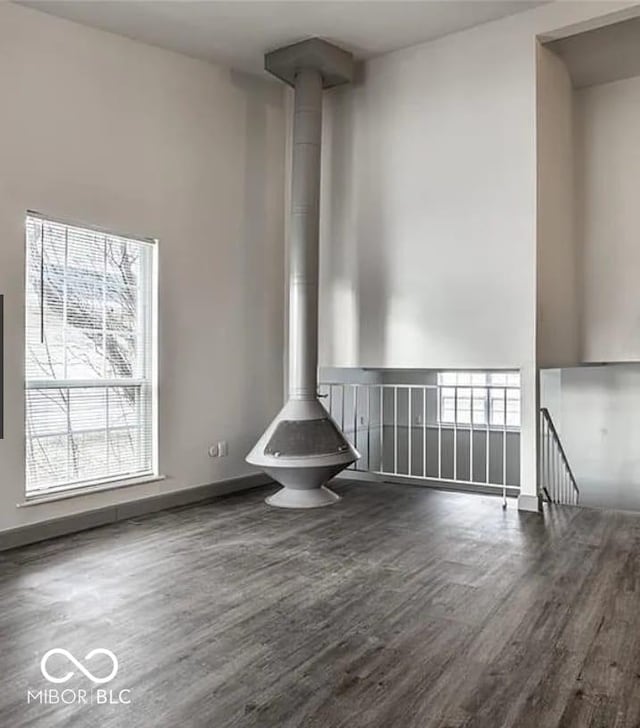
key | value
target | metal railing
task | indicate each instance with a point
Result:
(557, 482)
(428, 431)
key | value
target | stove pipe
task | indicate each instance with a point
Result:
(303, 447)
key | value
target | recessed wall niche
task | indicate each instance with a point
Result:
(588, 106)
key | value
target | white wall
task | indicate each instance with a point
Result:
(428, 235)
(597, 414)
(99, 129)
(429, 209)
(608, 153)
(558, 325)
(551, 394)
(424, 214)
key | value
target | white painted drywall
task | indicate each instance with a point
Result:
(99, 129)
(558, 325)
(608, 155)
(428, 243)
(597, 414)
(551, 394)
(428, 226)
(429, 201)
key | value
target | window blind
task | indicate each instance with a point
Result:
(89, 360)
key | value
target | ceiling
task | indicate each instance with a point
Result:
(237, 34)
(602, 55)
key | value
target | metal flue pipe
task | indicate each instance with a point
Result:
(305, 216)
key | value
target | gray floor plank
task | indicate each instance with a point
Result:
(400, 606)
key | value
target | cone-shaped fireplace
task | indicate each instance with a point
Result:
(303, 447)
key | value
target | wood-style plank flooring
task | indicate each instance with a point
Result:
(401, 607)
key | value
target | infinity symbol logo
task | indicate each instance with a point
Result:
(79, 665)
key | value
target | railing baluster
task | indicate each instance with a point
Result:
(381, 428)
(355, 416)
(504, 447)
(487, 433)
(368, 427)
(550, 466)
(554, 466)
(558, 478)
(439, 418)
(554, 482)
(540, 459)
(410, 435)
(455, 433)
(471, 441)
(395, 430)
(547, 461)
(424, 432)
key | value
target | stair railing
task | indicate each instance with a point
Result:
(557, 481)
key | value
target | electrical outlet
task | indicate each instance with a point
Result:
(213, 451)
(223, 449)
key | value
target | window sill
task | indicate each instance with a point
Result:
(58, 494)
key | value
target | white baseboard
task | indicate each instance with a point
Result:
(531, 503)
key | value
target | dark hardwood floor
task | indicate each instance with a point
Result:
(401, 607)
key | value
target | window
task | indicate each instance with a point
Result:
(89, 379)
(480, 398)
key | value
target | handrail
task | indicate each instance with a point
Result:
(556, 437)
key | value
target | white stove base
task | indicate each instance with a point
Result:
(308, 498)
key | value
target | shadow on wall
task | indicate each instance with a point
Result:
(354, 236)
(596, 411)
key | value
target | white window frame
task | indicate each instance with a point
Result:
(80, 487)
(477, 388)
